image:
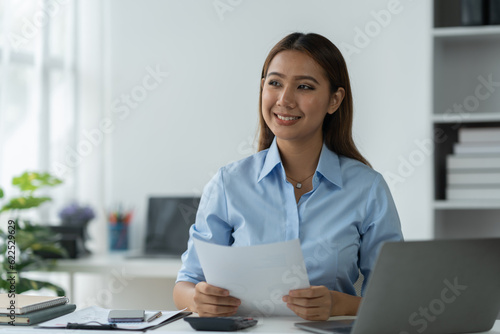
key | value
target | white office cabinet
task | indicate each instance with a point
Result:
(466, 95)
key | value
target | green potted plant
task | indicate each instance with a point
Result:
(24, 245)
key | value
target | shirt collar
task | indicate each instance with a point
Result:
(328, 165)
(272, 160)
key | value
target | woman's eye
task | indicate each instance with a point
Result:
(306, 87)
(273, 83)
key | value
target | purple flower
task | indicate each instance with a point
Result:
(74, 214)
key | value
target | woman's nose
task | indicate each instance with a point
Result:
(286, 99)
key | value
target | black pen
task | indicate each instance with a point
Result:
(72, 325)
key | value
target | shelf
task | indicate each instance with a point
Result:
(467, 205)
(460, 32)
(463, 59)
(466, 118)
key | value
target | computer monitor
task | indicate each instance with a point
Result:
(168, 222)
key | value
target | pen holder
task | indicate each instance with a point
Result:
(118, 236)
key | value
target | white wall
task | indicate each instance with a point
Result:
(204, 113)
(172, 137)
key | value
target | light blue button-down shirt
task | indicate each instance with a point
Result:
(341, 223)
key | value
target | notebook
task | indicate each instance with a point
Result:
(36, 317)
(440, 286)
(22, 304)
(167, 229)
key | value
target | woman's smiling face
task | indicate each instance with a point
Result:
(296, 97)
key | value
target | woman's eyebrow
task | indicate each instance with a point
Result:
(298, 77)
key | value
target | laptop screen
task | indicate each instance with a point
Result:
(169, 220)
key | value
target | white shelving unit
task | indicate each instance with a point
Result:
(463, 59)
(466, 205)
(469, 118)
(464, 32)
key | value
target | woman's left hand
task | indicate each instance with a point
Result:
(314, 303)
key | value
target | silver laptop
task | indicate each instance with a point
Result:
(440, 286)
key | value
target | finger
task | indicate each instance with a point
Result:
(308, 302)
(316, 317)
(216, 310)
(216, 300)
(212, 315)
(304, 312)
(309, 313)
(312, 292)
(208, 289)
(309, 297)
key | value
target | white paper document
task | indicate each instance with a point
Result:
(94, 315)
(258, 275)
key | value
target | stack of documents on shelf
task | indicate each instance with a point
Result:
(25, 310)
(473, 171)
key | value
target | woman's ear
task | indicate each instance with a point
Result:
(336, 100)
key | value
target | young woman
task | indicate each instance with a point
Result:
(308, 181)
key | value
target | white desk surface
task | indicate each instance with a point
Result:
(266, 325)
(159, 268)
(271, 325)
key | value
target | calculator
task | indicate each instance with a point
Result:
(220, 323)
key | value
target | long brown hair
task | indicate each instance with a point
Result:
(337, 127)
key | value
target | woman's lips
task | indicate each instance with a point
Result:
(286, 119)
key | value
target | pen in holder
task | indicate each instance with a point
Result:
(118, 229)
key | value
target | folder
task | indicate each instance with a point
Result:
(95, 317)
(36, 317)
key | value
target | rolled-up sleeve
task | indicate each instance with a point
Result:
(381, 224)
(211, 225)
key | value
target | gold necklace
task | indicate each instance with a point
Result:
(298, 184)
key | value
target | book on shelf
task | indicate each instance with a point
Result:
(474, 135)
(477, 148)
(36, 317)
(473, 177)
(493, 11)
(473, 171)
(473, 193)
(473, 161)
(472, 13)
(21, 304)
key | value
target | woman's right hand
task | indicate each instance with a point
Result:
(212, 301)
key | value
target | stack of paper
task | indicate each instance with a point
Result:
(473, 171)
(258, 275)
